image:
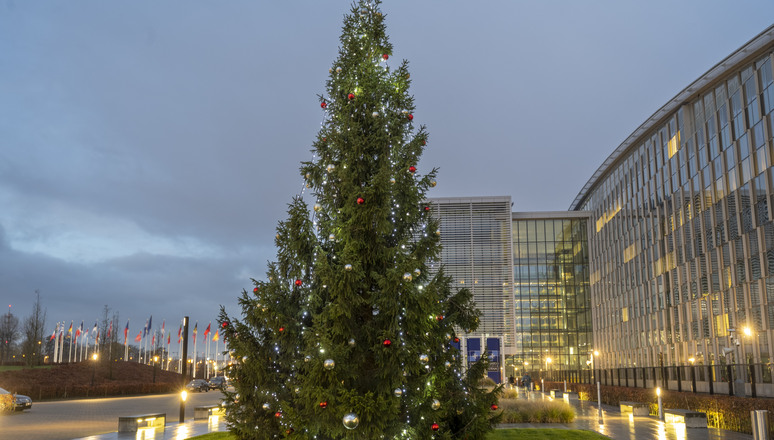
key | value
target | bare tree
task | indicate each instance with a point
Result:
(9, 334)
(34, 329)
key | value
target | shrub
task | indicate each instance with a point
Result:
(536, 411)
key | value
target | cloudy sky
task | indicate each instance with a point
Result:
(148, 149)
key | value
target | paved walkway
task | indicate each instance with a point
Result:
(613, 424)
(626, 427)
(172, 431)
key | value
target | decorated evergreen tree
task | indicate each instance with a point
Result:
(353, 333)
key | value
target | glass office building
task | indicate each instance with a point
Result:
(552, 327)
(682, 239)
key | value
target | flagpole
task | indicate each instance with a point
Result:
(56, 342)
(70, 346)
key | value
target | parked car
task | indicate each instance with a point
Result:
(20, 401)
(198, 385)
(218, 383)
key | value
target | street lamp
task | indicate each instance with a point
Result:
(735, 342)
(94, 358)
(155, 360)
(595, 354)
(548, 366)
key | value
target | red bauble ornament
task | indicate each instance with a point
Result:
(277, 414)
(360, 200)
(494, 407)
(435, 427)
(255, 290)
(323, 405)
(289, 431)
(456, 340)
(299, 283)
(412, 169)
(427, 208)
(323, 104)
(439, 318)
(410, 117)
(387, 343)
(282, 329)
(385, 57)
(325, 139)
(351, 96)
(225, 324)
(424, 141)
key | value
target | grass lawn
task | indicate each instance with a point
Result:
(498, 434)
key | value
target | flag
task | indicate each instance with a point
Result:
(70, 330)
(53, 335)
(94, 330)
(126, 331)
(96, 337)
(207, 331)
(110, 330)
(145, 329)
(169, 338)
(150, 323)
(79, 330)
(195, 327)
(138, 338)
(216, 336)
(153, 341)
(162, 327)
(180, 334)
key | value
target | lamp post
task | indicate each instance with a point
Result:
(739, 379)
(693, 374)
(155, 361)
(660, 408)
(94, 358)
(183, 394)
(595, 354)
(548, 367)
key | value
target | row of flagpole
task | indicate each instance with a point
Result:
(145, 338)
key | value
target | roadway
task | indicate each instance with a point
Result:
(70, 419)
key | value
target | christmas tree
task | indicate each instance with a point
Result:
(354, 331)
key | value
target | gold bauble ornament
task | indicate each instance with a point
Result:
(407, 277)
(317, 207)
(348, 267)
(433, 183)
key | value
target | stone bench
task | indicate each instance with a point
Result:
(557, 394)
(692, 419)
(204, 412)
(636, 408)
(142, 421)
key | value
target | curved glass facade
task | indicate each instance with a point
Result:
(681, 236)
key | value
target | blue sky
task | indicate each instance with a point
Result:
(148, 149)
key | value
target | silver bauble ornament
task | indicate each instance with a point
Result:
(398, 392)
(331, 237)
(392, 180)
(424, 358)
(447, 364)
(330, 168)
(244, 359)
(329, 364)
(405, 112)
(375, 114)
(307, 175)
(350, 420)
(435, 405)
(417, 272)
(348, 267)
(266, 406)
(338, 70)
(407, 277)
(352, 342)
(307, 358)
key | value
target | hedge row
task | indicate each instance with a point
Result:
(723, 411)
